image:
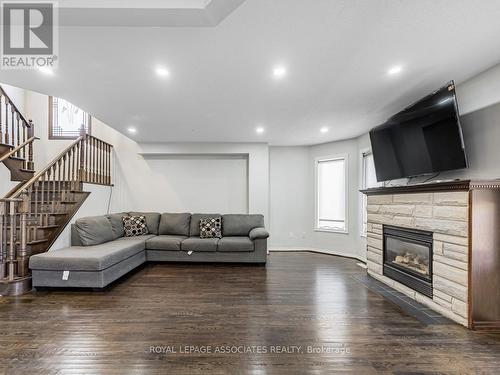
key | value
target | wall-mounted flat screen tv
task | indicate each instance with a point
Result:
(424, 138)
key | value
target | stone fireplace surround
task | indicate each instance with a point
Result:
(446, 215)
(464, 217)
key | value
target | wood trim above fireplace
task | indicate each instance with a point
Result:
(457, 185)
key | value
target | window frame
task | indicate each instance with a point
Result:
(317, 161)
(51, 124)
(362, 154)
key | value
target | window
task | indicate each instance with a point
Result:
(331, 194)
(66, 120)
(368, 180)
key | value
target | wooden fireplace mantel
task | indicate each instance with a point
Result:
(480, 200)
(456, 185)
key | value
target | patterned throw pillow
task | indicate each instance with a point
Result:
(211, 227)
(134, 226)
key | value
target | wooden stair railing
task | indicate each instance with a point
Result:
(16, 134)
(34, 214)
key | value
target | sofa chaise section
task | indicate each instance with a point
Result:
(88, 266)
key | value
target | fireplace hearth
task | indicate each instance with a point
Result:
(407, 257)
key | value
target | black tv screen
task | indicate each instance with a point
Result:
(424, 138)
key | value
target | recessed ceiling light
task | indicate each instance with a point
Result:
(132, 130)
(46, 70)
(279, 72)
(259, 130)
(162, 72)
(396, 69)
(324, 129)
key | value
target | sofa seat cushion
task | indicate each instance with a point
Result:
(165, 242)
(89, 258)
(235, 244)
(200, 244)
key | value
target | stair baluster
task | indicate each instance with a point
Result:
(6, 120)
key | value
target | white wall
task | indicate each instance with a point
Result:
(293, 200)
(258, 165)
(480, 91)
(291, 204)
(17, 95)
(199, 183)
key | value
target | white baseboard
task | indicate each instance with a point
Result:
(321, 251)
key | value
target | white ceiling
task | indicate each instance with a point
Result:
(145, 13)
(337, 53)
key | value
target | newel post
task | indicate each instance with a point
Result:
(11, 252)
(31, 134)
(3, 235)
(24, 207)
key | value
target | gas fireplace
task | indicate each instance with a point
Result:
(407, 257)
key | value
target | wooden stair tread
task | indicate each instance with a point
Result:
(36, 242)
(17, 158)
(55, 201)
(27, 170)
(40, 226)
(48, 227)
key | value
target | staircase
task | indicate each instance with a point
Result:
(34, 213)
(16, 140)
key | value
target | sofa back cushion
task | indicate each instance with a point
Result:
(240, 225)
(194, 228)
(94, 230)
(117, 224)
(175, 224)
(152, 220)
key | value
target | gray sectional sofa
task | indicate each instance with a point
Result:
(101, 254)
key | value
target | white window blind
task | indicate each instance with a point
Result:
(331, 194)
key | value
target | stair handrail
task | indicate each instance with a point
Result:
(94, 168)
(54, 161)
(18, 148)
(29, 123)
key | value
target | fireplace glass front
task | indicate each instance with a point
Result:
(408, 257)
(411, 257)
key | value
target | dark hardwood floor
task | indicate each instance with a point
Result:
(298, 300)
